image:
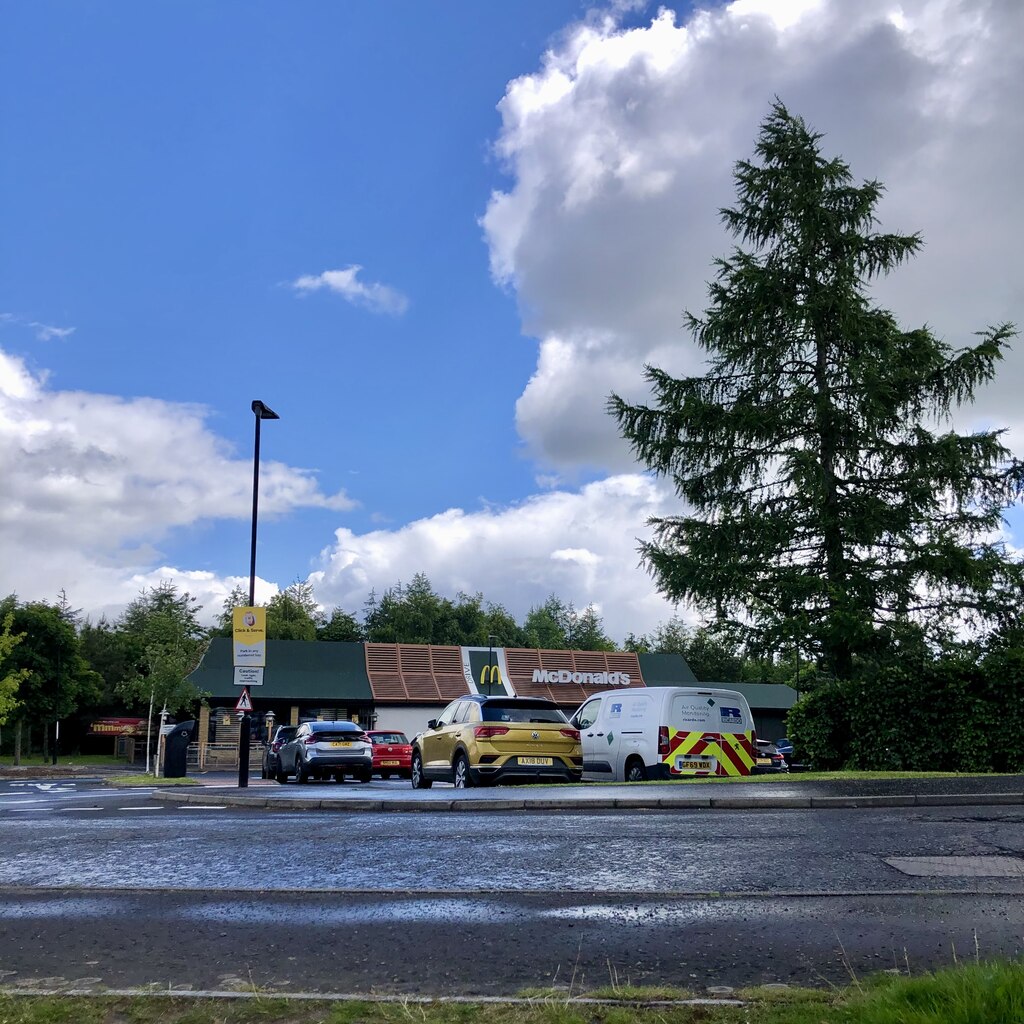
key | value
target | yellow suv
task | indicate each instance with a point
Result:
(479, 740)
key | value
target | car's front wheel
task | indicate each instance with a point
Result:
(300, 771)
(418, 779)
(461, 773)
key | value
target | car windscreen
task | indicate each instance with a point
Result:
(522, 713)
(389, 737)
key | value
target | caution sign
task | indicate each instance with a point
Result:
(249, 636)
(244, 702)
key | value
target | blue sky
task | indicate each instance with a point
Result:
(528, 192)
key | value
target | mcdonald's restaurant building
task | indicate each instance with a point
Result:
(402, 686)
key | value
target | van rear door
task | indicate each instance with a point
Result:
(710, 734)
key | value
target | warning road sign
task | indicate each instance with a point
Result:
(244, 701)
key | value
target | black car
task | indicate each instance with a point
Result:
(272, 751)
(769, 759)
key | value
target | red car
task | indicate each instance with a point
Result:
(392, 753)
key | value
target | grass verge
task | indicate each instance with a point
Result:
(976, 993)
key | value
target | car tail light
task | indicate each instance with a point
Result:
(275, 746)
(483, 732)
(571, 734)
(663, 740)
(310, 739)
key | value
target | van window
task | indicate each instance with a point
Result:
(587, 715)
(709, 713)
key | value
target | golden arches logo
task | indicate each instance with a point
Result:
(490, 675)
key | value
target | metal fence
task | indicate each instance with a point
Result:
(213, 757)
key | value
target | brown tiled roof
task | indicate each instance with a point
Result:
(414, 673)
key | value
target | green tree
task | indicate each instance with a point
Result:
(225, 624)
(55, 680)
(825, 506)
(164, 642)
(10, 677)
(293, 613)
(341, 626)
(546, 625)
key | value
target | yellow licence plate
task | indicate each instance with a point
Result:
(541, 761)
(389, 764)
(340, 743)
(764, 760)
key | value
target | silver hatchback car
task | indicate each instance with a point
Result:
(319, 750)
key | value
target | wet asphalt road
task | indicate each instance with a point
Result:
(109, 887)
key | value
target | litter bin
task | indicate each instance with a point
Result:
(176, 741)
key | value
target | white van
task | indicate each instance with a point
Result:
(665, 732)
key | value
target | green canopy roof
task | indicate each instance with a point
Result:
(299, 669)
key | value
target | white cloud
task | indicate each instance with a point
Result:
(43, 332)
(93, 482)
(518, 556)
(379, 298)
(621, 148)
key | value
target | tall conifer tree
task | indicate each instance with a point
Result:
(830, 507)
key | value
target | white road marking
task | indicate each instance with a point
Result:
(155, 807)
(22, 800)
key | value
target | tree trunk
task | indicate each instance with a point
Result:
(17, 743)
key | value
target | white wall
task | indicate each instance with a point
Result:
(407, 718)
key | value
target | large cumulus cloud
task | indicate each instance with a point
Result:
(620, 150)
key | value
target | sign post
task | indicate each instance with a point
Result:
(249, 656)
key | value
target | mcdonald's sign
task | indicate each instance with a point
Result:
(489, 675)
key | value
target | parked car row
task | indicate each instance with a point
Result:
(478, 740)
(322, 750)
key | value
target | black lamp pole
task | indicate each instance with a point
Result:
(261, 412)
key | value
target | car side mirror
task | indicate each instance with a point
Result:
(432, 724)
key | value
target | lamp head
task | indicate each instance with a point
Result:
(263, 412)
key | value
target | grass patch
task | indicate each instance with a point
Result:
(145, 779)
(976, 993)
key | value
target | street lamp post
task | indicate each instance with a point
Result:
(261, 412)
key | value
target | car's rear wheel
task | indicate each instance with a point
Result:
(461, 773)
(385, 775)
(635, 770)
(339, 776)
(365, 775)
(300, 771)
(419, 781)
(281, 777)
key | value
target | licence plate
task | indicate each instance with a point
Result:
(340, 743)
(764, 760)
(534, 761)
(388, 764)
(701, 766)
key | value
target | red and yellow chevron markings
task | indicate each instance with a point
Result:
(733, 752)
